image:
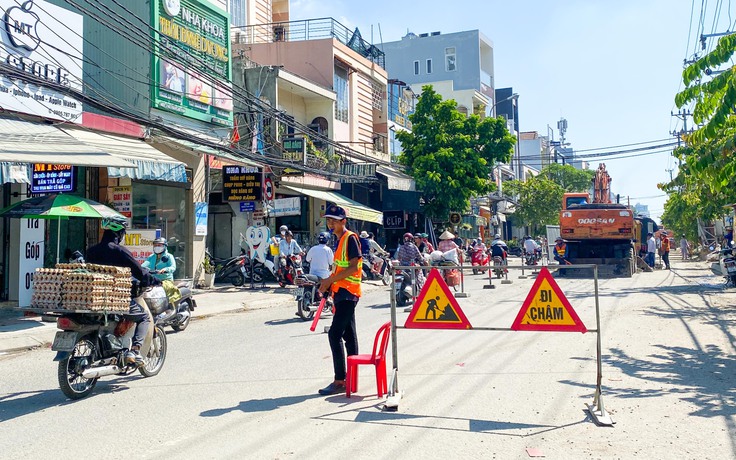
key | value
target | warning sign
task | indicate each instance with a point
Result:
(436, 307)
(547, 309)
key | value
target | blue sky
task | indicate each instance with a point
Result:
(612, 69)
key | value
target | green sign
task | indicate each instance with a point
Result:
(191, 66)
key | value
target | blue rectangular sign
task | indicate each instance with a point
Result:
(247, 206)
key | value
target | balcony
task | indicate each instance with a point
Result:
(308, 29)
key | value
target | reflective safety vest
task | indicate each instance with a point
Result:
(666, 244)
(351, 283)
(561, 249)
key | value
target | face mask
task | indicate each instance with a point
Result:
(283, 233)
(158, 249)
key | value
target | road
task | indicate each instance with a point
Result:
(244, 385)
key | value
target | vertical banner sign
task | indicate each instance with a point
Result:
(241, 183)
(122, 199)
(200, 219)
(192, 66)
(44, 41)
(31, 256)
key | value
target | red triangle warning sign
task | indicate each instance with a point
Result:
(436, 307)
(547, 309)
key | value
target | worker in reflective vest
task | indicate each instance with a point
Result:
(344, 283)
(560, 252)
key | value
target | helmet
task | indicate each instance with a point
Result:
(160, 240)
(527, 237)
(372, 236)
(115, 223)
(323, 238)
(283, 229)
(497, 235)
(408, 237)
(417, 235)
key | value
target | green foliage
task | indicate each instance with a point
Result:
(451, 156)
(568, 177)
(681, 214)
(208, 266)
(539, 201)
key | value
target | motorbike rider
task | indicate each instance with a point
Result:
(530, 246)
(499, 248)
(288, 247)
(110, 251)
(163, 265)
(320, 259)
(408, 253)
(365, 244)
(375, 252)
(425, 240)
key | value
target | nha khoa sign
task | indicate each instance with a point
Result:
(45, 42)
(192, 67)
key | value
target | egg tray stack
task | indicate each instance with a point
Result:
(86, 287)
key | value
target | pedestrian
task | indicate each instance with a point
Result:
(651, 249)
(344, 283)
(684, 248)
(665, 250)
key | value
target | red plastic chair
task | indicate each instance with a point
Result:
(377, 358)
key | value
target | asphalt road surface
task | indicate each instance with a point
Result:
(245, 385)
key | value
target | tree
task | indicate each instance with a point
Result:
(539, 202)
(451, 156)
(568, 177)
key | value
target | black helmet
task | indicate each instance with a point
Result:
(323, 238)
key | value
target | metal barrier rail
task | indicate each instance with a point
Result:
(596, 410)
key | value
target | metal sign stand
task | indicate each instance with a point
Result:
(596, 410)
(462, 293)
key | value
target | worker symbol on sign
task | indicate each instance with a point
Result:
(428, 312)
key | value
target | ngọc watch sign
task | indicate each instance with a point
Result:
(192, 66)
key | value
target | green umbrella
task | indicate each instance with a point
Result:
(58, 207)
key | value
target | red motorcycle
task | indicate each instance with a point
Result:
(480, 259)
(290, 270)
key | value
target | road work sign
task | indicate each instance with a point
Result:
(436, 307)
(547, 309)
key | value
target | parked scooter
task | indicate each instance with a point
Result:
(727, 263)
(371, 272)
(232, 269)
(91, 345)
(479, 259)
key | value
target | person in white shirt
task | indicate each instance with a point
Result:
(320, 258)
(376, 250)
(530, 246)
(288, 247)
(651, 249)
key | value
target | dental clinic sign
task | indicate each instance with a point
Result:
(45, 42)
(192, 68)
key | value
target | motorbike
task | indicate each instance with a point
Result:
(404, 285)
(305, 294)
(727, 263)
(91, 345)
(499, 266)
(531, 258)
(288, 272)
(371, 273)
(446, 261)
(234, 269)
(479, 259)
(179, 314)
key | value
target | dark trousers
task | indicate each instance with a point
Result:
(562, 261)
(666, 259)
(343, 329)
(138, 314)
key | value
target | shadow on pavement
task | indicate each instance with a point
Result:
(260, 405)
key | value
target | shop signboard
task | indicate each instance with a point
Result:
(121, 199)
(140, 242)
(192, 67)
(45, 41)
(241, 183)
(31, 257)
(394, 220)
(201, 211)
(247, 206)
(286, 207)
(47, 178)
(294, 148)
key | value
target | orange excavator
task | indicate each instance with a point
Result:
(599, 231)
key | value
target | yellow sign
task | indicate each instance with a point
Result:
(436, 307)
(547, 309)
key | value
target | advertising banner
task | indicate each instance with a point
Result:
(286, 207)
(31, 257)
(140, 242)
(47, 178)
(194, 35)
(46, 42)
(241, 183)
(201, 212)
(121, 199)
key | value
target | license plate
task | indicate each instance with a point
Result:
(298, 292)
(64, 341)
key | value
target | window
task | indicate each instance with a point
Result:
(429, 66)
(416, 67)
(342, 90)
(450, 59)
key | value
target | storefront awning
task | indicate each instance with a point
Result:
(150, 164)
(354, 209)
(192, 147)
(28, 142)
(396, 179)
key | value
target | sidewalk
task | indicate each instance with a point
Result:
(18, 333)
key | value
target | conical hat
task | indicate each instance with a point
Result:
(447, 235)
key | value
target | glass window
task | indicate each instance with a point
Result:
(162, 207)
(342, 90)
(450, 62)
(429, 66)
(416, 67)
